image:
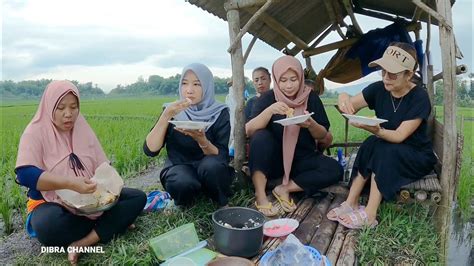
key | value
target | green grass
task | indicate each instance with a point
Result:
(404, 236)
(122, 124)
(465, 196)
(132, 247)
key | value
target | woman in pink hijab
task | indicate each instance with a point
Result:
(59, 150)
(288, 151)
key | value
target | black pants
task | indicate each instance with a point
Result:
(210, 175)
(312, 172)
(56, 226)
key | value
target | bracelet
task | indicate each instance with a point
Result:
(203, 146)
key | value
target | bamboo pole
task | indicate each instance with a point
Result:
(461, 69)
(238, 4)
(323, 236)
(336, 244)
(282, 30)
(449, 135)
(421, 195)
(441, 19)
(238, 85)
(249, 23)
(431, 95)
(306, 229)
(249, 48)
(340, 44)
(321, 37)
(347, 255)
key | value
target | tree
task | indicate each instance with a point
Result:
(471, 86)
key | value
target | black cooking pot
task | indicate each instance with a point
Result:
(238, 231)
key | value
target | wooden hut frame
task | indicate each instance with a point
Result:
(277, 23)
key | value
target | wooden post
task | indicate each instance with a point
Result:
(448, 53)
(238, 38)
(238, 85)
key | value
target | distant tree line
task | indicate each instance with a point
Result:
(154, 85)
(157, 85)
(31, 89)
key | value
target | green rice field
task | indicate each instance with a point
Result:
(122, 125)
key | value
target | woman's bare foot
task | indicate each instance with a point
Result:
(73, 257)
(132, 226)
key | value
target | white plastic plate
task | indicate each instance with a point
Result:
(365, 120)
(280, 227)
(293, 120)
(190, 124)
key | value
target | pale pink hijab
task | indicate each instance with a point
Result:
(290, 133)
(44, 146)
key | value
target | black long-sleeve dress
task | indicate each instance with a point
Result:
(188, 170)
(396, 164)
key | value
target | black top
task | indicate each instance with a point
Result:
(183, 149)
(415, 104)
(306, 144)
(248, 107)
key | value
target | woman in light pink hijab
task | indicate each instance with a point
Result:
(59, 150)
(290, 151)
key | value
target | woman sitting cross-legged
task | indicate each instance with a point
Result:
(288, 151)
(59, 150)
(399, 152)
(198, 160)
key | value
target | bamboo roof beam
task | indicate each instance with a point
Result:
(320, 38)
(238, 4)
(249, 48)
(248, 24)
(329, 47)
(336, 45)
(282, 30)
(350, 12)
(461, 69)
(434, 14)
(334, 18)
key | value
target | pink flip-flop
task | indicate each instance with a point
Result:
(359, 219)
(344, 208)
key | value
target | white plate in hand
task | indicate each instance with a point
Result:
(365, 120)
(190, 124)
(294, 120)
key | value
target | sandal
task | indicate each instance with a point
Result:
(268, 210)
(343, 208)
(286, 205)
(359, 219)
(157, 201)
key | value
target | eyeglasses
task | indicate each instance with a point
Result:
(391, 76)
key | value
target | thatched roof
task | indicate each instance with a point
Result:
(308, 19)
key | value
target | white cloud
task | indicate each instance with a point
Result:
(114, 42)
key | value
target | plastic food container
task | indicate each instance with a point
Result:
(174, 242)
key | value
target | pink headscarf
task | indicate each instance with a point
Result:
(44, 146)
(290, 133)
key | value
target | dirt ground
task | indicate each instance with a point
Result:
(19, 243)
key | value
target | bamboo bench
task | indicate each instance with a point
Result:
(426, 188)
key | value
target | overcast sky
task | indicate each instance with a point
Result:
(115, 42)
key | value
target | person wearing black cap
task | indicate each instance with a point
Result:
(399, 152)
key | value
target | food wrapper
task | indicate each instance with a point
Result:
(109, 185)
